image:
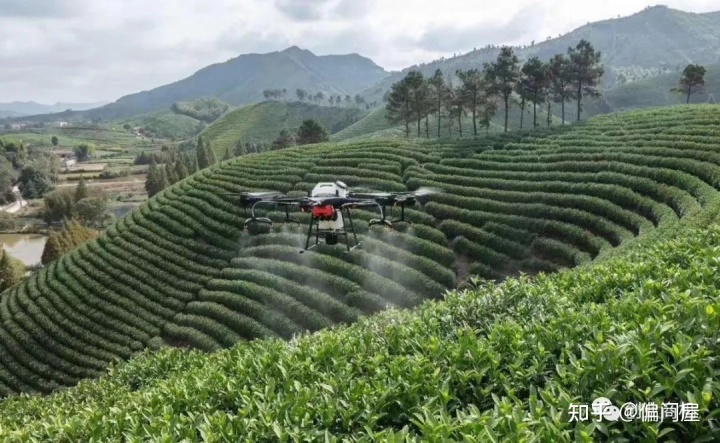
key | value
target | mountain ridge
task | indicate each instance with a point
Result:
(241, 80)
(629, 45)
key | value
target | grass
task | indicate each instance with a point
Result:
(264, 121)
(181, 271)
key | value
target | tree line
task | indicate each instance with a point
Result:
(503, 82)
(318, 97)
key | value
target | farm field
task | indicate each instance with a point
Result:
(378, 380)
(630, 199)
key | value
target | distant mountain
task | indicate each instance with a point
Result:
(15, 109)
(241, 80)
(9, 114)
(654, 41)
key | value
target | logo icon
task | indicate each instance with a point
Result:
(602, 407)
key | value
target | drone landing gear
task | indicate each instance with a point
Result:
(332, 236)
(267, 221)
(389, 223)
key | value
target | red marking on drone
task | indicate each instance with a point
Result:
(323, 211)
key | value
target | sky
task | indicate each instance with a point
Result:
(99, 50)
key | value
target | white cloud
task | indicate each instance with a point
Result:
(90, 50)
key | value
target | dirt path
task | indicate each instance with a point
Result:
(19, 203)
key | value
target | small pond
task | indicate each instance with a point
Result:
(27, 248)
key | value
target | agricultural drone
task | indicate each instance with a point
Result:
(329, 205)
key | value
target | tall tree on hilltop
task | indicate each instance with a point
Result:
(535, 82)
(692, 81)
(502, 75)
(457, 107)
(301, 94)
(521, 89)
(210, 154)
(420, 93)
(202, 154)
(440, 92)
(473, 92)
(560, 76)
(487, 111)
(399, 104)
(448, 106)
(586, 71)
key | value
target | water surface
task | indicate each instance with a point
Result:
(27, 248)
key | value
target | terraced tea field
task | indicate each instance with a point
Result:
(180, 270)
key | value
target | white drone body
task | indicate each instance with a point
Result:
(328, 189)
(337, 189)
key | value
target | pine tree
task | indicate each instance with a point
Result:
(52, 249)
(399, 104)
(440, 93)
(210, 153)
(502, 75)
(11, 271)
(473, 92)
(156, 179)
(586, 71)
(181, 171)
(170, 174)
(162, 180)
(72, 235)
(240, 148)
(560, 76)
(81, 191)
(692, 81)
(203, 161)
(535, 83)
(190, 163)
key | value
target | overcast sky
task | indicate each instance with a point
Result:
(99, 50)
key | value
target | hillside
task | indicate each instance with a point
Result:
(264, 121)
(181, 270)
(653, 92)
(165, 124)
(657, 38)
(500, 362)
(241, 80)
